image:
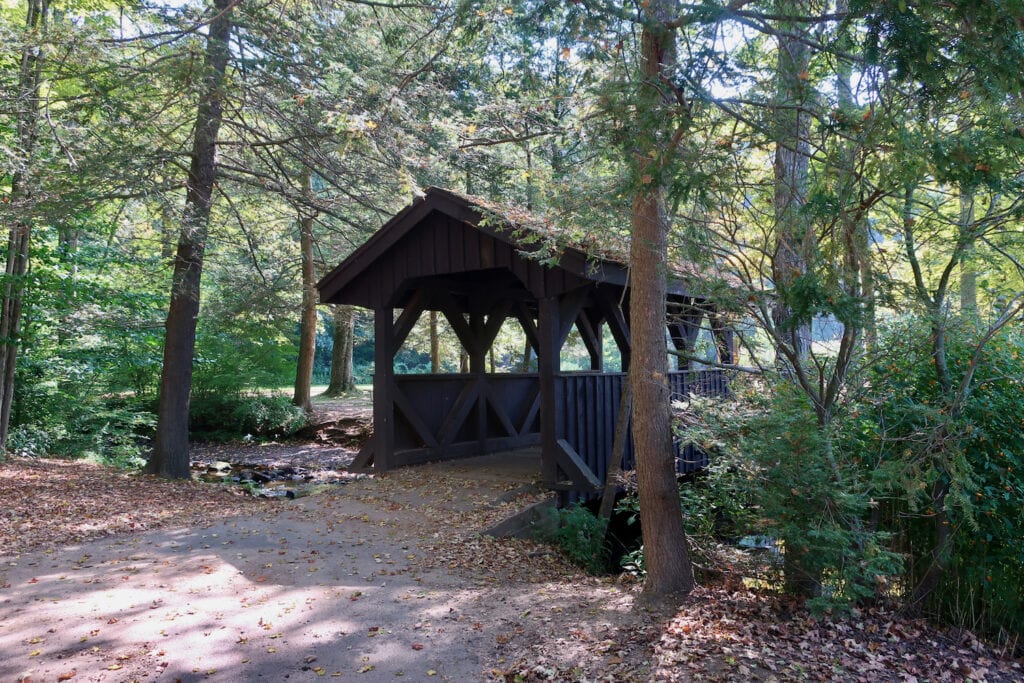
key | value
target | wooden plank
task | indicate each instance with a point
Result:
(442, 258)
(460, 410)
(578, 471)
(487, 256)
(499, 411)
(408, 410)
(531, 412)
(428, 248)
(418, 456)
(456, 256)
(470, 248)
(503, 254)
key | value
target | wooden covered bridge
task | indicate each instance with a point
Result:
(473, 263)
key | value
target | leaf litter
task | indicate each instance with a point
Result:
(546, 620)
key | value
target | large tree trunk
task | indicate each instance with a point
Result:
(170, 455)
(342, 373)
(307, 332)
(666, 552)
(21, 202)
(792, 154)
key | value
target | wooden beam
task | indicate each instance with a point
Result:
(531, 414)
(407, 319)
(723, 336)
(499, 412)
(617, 324)
(569, 307)
(590, 334)
(412, 417)
(459, 412)
(364, 460)
(459, 325)
(529, 326)
(549, 364)
(495, 318)
(578, 471)
(383, 383)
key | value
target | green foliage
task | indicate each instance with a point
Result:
(794, 481)
(580, 535)
(976, 452)
(56, 418)
(234, 416)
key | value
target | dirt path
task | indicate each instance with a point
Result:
(383, 578)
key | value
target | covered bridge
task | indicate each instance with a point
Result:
(476, 264)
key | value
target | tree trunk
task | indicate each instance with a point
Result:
(968, 274)
(170, 455)
(860, 258)
(21, 202)
(792, 154)
(342, 373)
(435, 345)
(793, 231)
(166, 231)
(307, 330)
(666, 552)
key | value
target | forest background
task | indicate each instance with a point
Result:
(845, 178)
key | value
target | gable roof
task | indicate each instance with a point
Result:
(520, 241)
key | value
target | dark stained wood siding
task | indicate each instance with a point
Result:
(591, 406)
(509, 401)
(444, 246)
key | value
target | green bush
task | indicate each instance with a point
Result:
(580, 535)
(791, 479)
(976, 455)
(59, 411)
(233, 416)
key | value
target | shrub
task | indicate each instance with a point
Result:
(232, 416)
(808, 490)
(581, 536)
(110, 431)
(60, 410)
(976, 455)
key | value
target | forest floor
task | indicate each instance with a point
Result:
(120, 577)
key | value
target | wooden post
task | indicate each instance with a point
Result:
(549, 365)
(383, 383)
(478, 368)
